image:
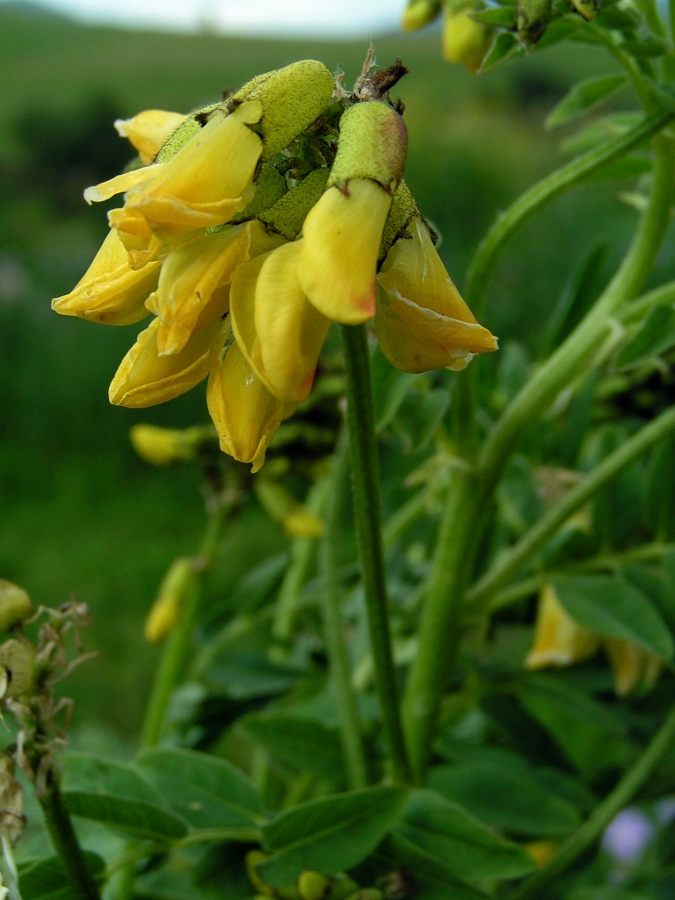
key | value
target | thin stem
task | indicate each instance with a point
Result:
(368, 518)
(542, 193)
(641, 84)
(593, 827)
(405, 516)
(510, 563)
(439, 628)
(565, 364)
(62, 833)
(302, 554)
(350, 726)
(177, 647)
(637, 309)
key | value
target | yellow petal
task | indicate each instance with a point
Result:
(422, 322)
(209, 180)
(464, 39)
(178, 583)
(188, 281)
(631, 664)
(120, 183)
(145, 378)
(110, 292)
(244, 412)
(342, 236)
(558, 640)
(149, 130)
(290, 330)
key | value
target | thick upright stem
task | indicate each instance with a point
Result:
(350, 728)
(368, 518)
(177, 647)
(591, 830)
(62, 833)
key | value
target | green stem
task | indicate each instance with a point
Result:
(542, 193)
(350, 726)
(405, 516)
(62, 833)
(439, 628)
(637, 309)
(177, 646)
(510, 563)
(302, 554)
(575, 352)
(593, 827)
(641, 84)
(368, 519)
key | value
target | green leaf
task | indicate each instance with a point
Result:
(390, 388)
(560, 30)
(499, 16)
(505, 47)
(647, 49)
(331, 835)
(448, 833)
(45, 879)
(583, 97)
(243, 676)
(418, 417)
(507, 800)
(299, 743)
(118, 796)
(655, 335)
(610, 606)
(207, 792)
(659, 497)
(615, 19)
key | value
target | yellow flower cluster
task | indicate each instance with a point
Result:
(465, 40)
(560, 641)
(246, 230)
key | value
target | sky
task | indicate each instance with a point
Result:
(311, 18)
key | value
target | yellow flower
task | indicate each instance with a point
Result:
(145, 378)
(177, 584)
(282, 507)
(166, 446)
(244, 412)
(464, 39)
(419, 13)
(631, 664)
(110, 292)
(148, 131)
(422, 322)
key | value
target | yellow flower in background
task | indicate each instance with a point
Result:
(464, 39)
(560, 641)
(245, 253)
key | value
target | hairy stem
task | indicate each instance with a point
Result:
(62, 833)
(350, 726)
(592, 828)
(368, 519)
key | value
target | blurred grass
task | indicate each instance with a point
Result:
(78, 512)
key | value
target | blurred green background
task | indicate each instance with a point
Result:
(79, 514)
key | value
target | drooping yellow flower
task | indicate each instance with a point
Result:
(149, 130)
(422, 322)
(110, 292)
(244, 412)
(145, 378)
(631, 664)
(558, 639)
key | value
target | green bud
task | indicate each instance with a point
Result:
(15, 605)
(312, 885)
(373, 144)
(532, 19)
(419, 13)
(185, 132)
(18, 661)
(288, 214)
(587, 9)
(367, 894)
(292, 98)
(403, 208)
(342, 888)
(270, 187)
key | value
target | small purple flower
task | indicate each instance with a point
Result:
(627, 837)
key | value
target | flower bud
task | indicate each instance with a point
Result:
(373, 144)
(541, 851)
(282, 507)
(422, 323)
(255, 858)
(587, 9)
(419, 13)
(558, 640)
(144, 378)
(244, 412)
(166, 446)
(189, 128)
(110, 292)
(18, 661)
(177, 584)
(292, 98)
(270, 187)
(312, 885)
(464, 39)
(12, 820)
(402, 210)
(149, 131)
(532, 19)
(288, 214)
(15, 605)
(367, 894)
(279, 332)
